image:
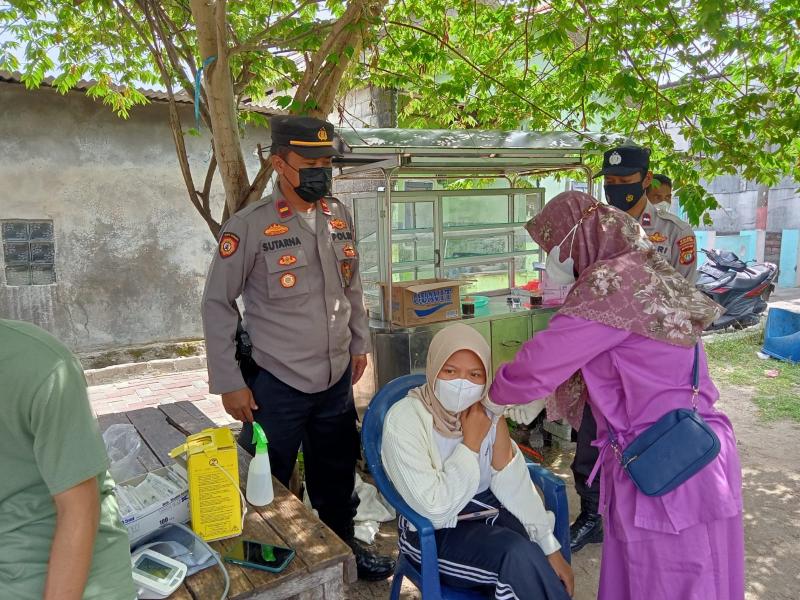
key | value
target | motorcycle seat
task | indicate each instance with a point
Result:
(710, 278)
(752, 277)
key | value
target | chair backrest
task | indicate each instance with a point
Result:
(372, 435)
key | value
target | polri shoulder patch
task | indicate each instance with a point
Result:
(688, 249)
(228, 244)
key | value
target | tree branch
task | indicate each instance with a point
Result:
(267, 44)
(257, 39)
(206, 193)
(176, 129)
(221, 103)
(259, 182)
(172, 54)
(482, 72)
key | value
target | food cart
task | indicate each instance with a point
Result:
(452, 205)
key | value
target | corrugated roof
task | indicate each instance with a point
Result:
(150, 94)
(422, 141)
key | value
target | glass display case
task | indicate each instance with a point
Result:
(414, 220)
(476, 235)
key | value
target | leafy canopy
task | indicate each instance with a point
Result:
(710, 85)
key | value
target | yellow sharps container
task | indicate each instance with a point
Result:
(212, 464)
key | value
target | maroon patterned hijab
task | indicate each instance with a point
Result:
(622, 282)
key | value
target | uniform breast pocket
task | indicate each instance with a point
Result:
(347, 261)
(287, 273)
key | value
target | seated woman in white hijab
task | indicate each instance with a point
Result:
(447, 455)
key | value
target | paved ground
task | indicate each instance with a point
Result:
(769, 451)
(159, 389)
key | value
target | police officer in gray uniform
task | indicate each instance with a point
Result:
(626, 172)
(293, 259)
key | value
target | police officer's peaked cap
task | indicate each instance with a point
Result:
(309, 137)
(625, 160)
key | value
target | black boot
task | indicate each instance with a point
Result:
(587, 529)
(370, 566)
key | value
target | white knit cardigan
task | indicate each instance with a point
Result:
(440, 490)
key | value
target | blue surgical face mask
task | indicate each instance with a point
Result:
(562, 273)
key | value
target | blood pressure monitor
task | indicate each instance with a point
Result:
(155, 575)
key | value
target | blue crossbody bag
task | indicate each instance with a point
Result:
(672, 449)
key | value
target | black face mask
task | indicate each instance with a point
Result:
(315, 182)
(624, 196)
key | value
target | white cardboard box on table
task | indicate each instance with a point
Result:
(153, 500)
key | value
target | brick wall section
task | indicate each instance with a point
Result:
(772, 247)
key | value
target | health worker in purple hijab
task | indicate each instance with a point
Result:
(624, 341)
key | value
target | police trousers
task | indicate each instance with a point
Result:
(493, 557)
(325, 423)
(586, 456)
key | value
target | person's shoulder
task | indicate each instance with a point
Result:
(337, 205)
(32, 344)
(675, 220)
(405, 413)
(249, 218)
(254, 208)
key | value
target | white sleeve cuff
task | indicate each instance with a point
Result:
(548, 543)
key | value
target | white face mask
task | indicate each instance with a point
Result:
(561, 273)
(457, 395)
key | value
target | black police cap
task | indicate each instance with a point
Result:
(625, 160)
(308, 136)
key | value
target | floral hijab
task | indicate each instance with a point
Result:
(622, 282)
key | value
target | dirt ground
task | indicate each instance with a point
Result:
(770, 454)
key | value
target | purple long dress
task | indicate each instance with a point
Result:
(685, 545)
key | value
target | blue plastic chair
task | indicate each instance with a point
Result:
(782, 335)
(427, 579)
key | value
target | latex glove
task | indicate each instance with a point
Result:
(525, 413)
(495, 411)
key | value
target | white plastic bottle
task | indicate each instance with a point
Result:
(259, 475)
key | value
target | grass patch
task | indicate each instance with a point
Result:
(734, 362)
(184, 350)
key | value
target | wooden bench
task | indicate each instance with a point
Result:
(323, 562)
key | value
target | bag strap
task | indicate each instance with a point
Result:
(695, 394)
(696, 376)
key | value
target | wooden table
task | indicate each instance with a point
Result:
(323, 561)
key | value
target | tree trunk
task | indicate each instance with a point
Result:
(221, 103)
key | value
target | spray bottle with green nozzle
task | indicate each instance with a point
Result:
(259, 475)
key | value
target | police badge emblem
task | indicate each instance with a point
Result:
(347, 273)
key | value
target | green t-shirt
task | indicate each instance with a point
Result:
(50, 442)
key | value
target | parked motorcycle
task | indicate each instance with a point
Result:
(742, 288)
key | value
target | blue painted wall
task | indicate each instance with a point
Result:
(788, 267)
(743, 245)
(703, 242)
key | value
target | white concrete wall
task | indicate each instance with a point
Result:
(131, 251)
